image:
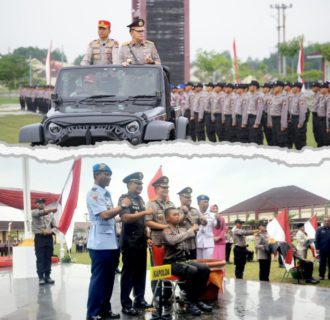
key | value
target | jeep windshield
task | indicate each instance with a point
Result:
(109, 89)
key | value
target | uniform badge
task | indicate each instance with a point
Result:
(95, 195)
(140, 23)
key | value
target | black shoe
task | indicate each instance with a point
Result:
(49, 280)
(204, 307)
(42, 282)
(130, 311)
(142, 305)
(112, 315)
(193, 310)
(321, 278)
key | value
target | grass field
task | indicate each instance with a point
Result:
(251, 268)
(8, 100)
(10, 125)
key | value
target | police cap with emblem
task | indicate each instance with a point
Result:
(189, 84)
(288, 84)
(325, 85)
(161, 182)
(268, 85)
(254, 83)
(298, 85)
(136, 23)
(219, 84)
(278, 83)
(199, 85)
(101, 167)
(185, 192)
(203, 197)
(316, 84)
(239, 221)
(104, 24)
(210, 84)
(229, 85)
(262, 223)
(134, 177)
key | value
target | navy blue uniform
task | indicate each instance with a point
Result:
(322, 243)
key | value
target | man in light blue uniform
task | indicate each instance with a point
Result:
(102, 244)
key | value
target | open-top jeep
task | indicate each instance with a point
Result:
(109, 103)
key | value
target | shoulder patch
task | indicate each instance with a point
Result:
(94, 195)
(126, 43)
(147, 41)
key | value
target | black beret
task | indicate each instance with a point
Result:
(210, 84)
(288, 83)
(199, 85)
(239, 221)
(298, 85)
(229, 85)
(189, 84)
(40, 200)
(186, 190)
(136, 23)
(134, 177)
(317, 84)
(278, 83)
(162, 181)
(254, 83)
(219, 84)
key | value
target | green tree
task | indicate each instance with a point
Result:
(78, 59)
(324, 49)
(14, 70)
(58, 55)
(40, 54)
(210, 64)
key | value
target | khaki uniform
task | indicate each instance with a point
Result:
(302, 239)
(228, 116)
(263, 255)
(158, 216)
(42, 222)
(315, 104)
(101, 52)
(132, 53)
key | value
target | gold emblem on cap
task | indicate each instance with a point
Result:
(102, 166)
(165, 180)
(140, 23)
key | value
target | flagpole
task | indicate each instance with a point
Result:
(26, 199)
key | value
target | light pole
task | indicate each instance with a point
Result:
(284, 7)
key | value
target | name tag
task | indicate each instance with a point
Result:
(160, 272)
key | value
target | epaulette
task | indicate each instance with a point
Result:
(126, 43)
(94, 189)
(147, 41)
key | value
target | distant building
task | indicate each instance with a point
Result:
(167, 24)
(301, 205)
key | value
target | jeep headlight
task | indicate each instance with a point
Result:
(54, 129)
(133, 127)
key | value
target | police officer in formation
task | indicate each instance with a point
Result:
(138, 50)
(227, 112)
(133, 244)
(43, 227)
(36, 98)
(103, 50)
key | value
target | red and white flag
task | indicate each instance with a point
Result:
(311, 226)
(69, 202)
(235, 66)
(279, 230)
(300, 66)
(151, 189)
(48, 70)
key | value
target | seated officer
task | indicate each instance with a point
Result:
(306, 266)
(196, 275)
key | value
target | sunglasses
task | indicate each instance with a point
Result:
(138, 31)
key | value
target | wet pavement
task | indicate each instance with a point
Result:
(22, 299)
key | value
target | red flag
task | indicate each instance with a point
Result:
(279, 230)
(70, 197)
(235, 62)
(311, 226)
(151, 189)
(300, 66)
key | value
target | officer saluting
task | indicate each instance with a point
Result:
(138, 50)
(133, 244)
(102, 244)
(102, 50)
(43, 227)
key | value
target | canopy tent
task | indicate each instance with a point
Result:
(14, 197)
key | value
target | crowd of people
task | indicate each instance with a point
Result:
(242, 113)
(35, 98)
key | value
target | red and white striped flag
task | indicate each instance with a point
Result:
(151, 189)
(69, 202)
(300, 66)
(311, 226)
(48, 70)
(279, 230)
(235, 67)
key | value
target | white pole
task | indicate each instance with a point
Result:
(26, 199)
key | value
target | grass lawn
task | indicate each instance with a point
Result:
(10, 125)
(251, 268)
(8, 100)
